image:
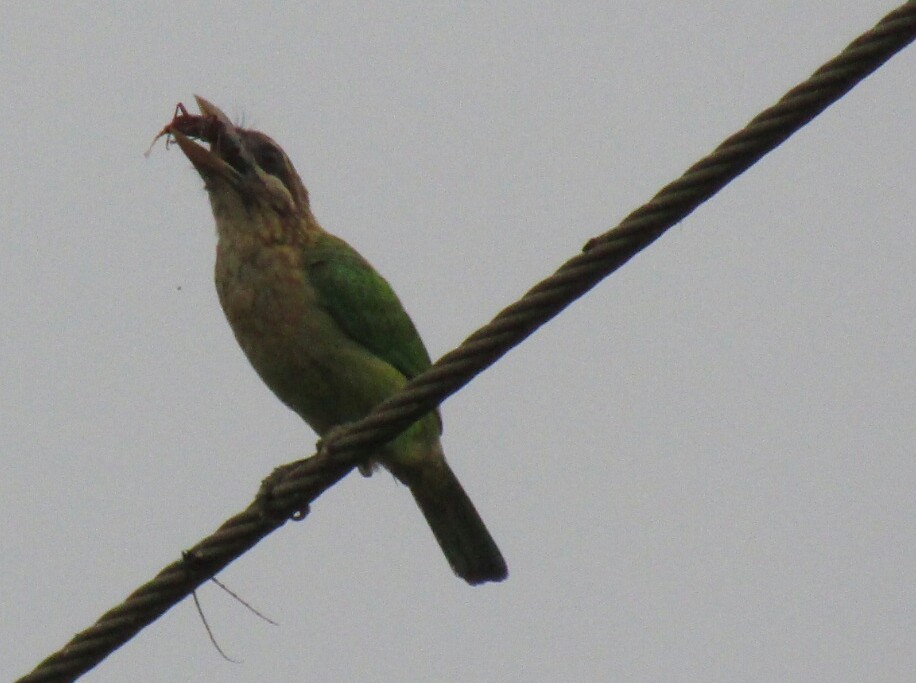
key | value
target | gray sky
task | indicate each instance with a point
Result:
(703, 471)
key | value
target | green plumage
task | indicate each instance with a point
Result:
(365, 307)
(321, 327)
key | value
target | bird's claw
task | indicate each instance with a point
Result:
(265, 497)
(325, 446)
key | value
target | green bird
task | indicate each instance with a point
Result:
(320, 326)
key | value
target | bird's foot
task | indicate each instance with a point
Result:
(266, 497)
(325, 446)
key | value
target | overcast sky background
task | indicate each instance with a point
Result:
(702, 471)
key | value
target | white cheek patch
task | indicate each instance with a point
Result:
(280, 198)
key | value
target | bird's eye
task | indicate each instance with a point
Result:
(271, 160)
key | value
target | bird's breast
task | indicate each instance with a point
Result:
(264, 292)
(291, 341)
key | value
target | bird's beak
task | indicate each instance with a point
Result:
(212, 126)
(205, 161)
(207, 108)
(229, 164)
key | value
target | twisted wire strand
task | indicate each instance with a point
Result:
(291, 488)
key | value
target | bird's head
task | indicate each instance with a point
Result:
(243, 169)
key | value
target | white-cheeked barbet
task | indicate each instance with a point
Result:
(320, 326)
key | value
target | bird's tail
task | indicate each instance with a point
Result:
(460, 532)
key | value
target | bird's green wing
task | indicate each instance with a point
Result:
(364, 305)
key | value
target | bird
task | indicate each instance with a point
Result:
(320, 326)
